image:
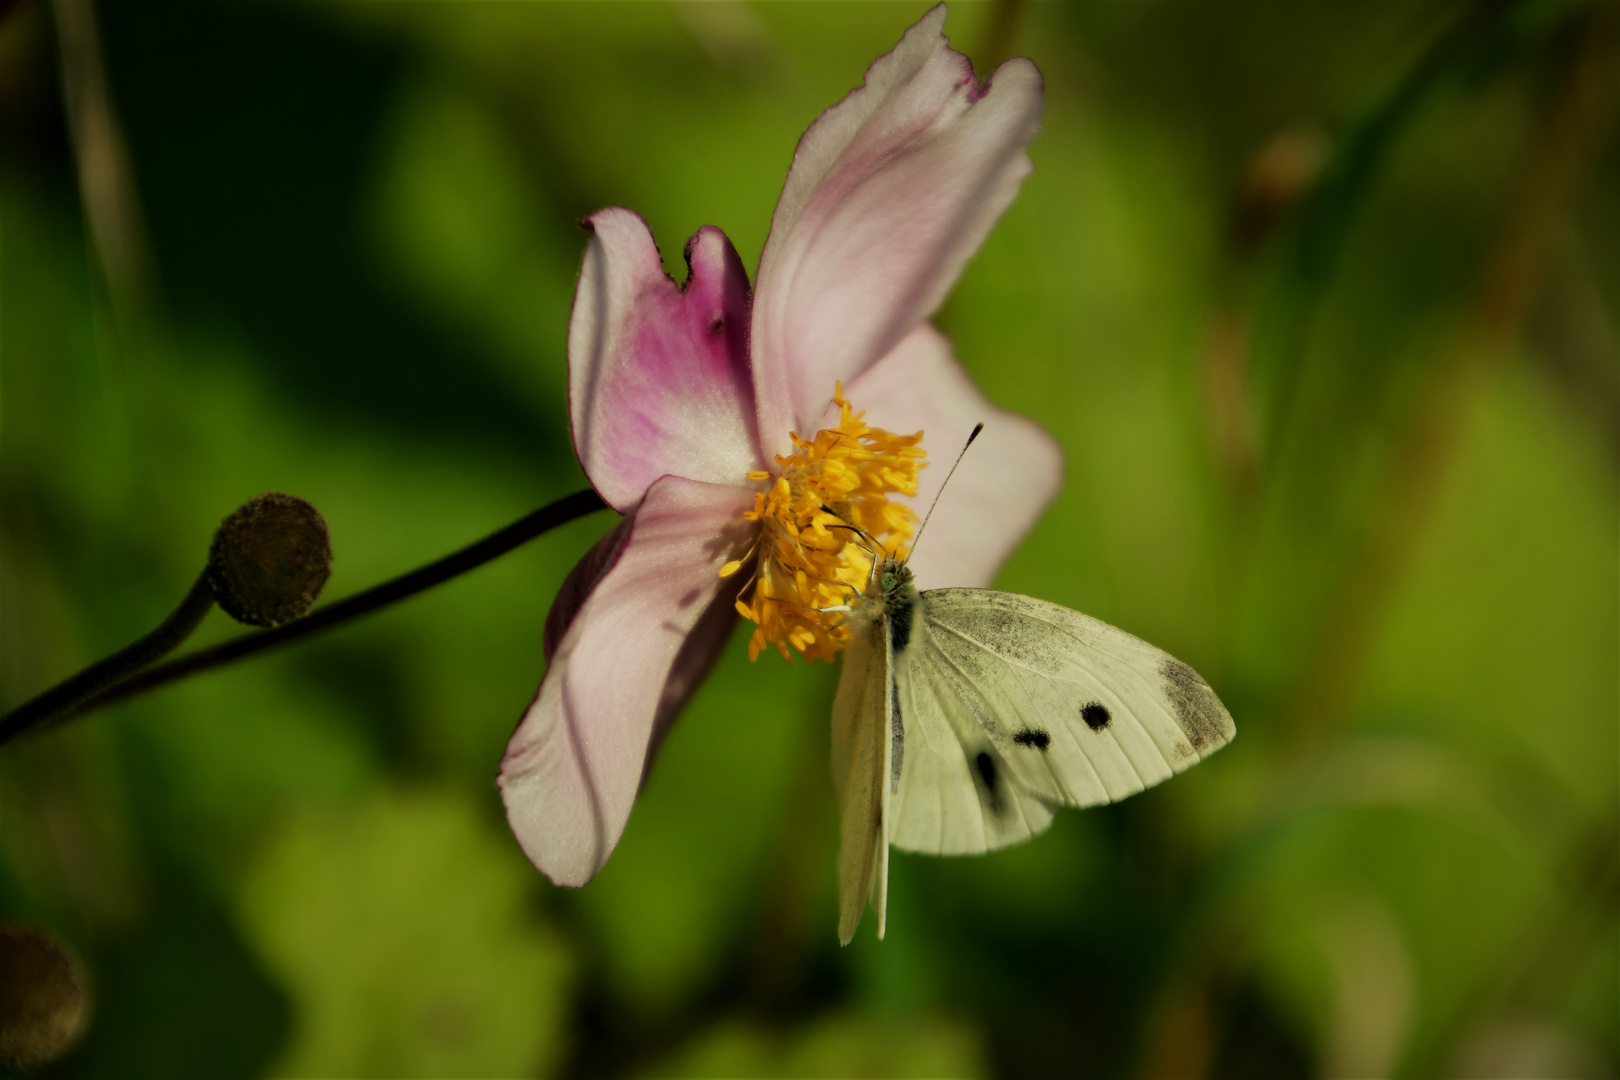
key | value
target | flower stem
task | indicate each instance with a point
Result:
(60, 699)
(120, 676)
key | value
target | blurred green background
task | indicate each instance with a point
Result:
(1319, 299)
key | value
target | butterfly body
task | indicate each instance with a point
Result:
(965, 717)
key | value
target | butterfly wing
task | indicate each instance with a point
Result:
(861, 770)
(1010, 706)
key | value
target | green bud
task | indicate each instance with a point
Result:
(44, 1007)
(270, 560)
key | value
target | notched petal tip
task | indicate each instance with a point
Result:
(654, 389)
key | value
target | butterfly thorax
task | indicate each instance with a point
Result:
(892, 598)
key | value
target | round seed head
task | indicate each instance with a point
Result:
(270, 560)
(44, 1006)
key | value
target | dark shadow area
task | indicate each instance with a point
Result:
(253, 132)
(1256, 1043)
(371, 679)
(180, 996)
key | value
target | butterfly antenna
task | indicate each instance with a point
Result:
(975, 434)
(872, 546)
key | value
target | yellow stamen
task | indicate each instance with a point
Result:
(809, 556)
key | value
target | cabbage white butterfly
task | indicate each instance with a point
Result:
(965, 717)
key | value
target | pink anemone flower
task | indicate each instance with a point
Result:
(686, 403)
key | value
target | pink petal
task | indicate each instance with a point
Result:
(891, 191)
(634, 652)
(579, 584)
(658, 378)
(1012, 471)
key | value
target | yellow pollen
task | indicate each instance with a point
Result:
(809, 557)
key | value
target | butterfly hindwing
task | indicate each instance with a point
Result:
(1010, 706)
(955, 794)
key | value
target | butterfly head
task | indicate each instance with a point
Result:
(892, 579)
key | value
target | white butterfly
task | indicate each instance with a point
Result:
(964, 717)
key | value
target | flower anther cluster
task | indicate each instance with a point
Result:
(819, 518)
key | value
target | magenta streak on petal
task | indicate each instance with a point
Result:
(659, 381)
(575, 763)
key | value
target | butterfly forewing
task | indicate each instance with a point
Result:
(1044, 706)
(861, 768)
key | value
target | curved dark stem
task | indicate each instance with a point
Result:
(519, 532)
(98, 677)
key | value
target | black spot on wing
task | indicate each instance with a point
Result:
(1095, 715)
(1040, 740)
(897, 737)
(1199, 712)
(985, 766)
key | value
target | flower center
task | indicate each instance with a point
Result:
(810, 555)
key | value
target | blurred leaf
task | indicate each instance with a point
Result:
(1525, 668)
(403, 930)
(839, 1045)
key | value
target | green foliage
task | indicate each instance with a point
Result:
(401, 931)
(1302, 454)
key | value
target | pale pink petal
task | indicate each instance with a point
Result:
(891, 191)
(579, 584)
(635, 650)
(1009, 475)
(658, 378)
